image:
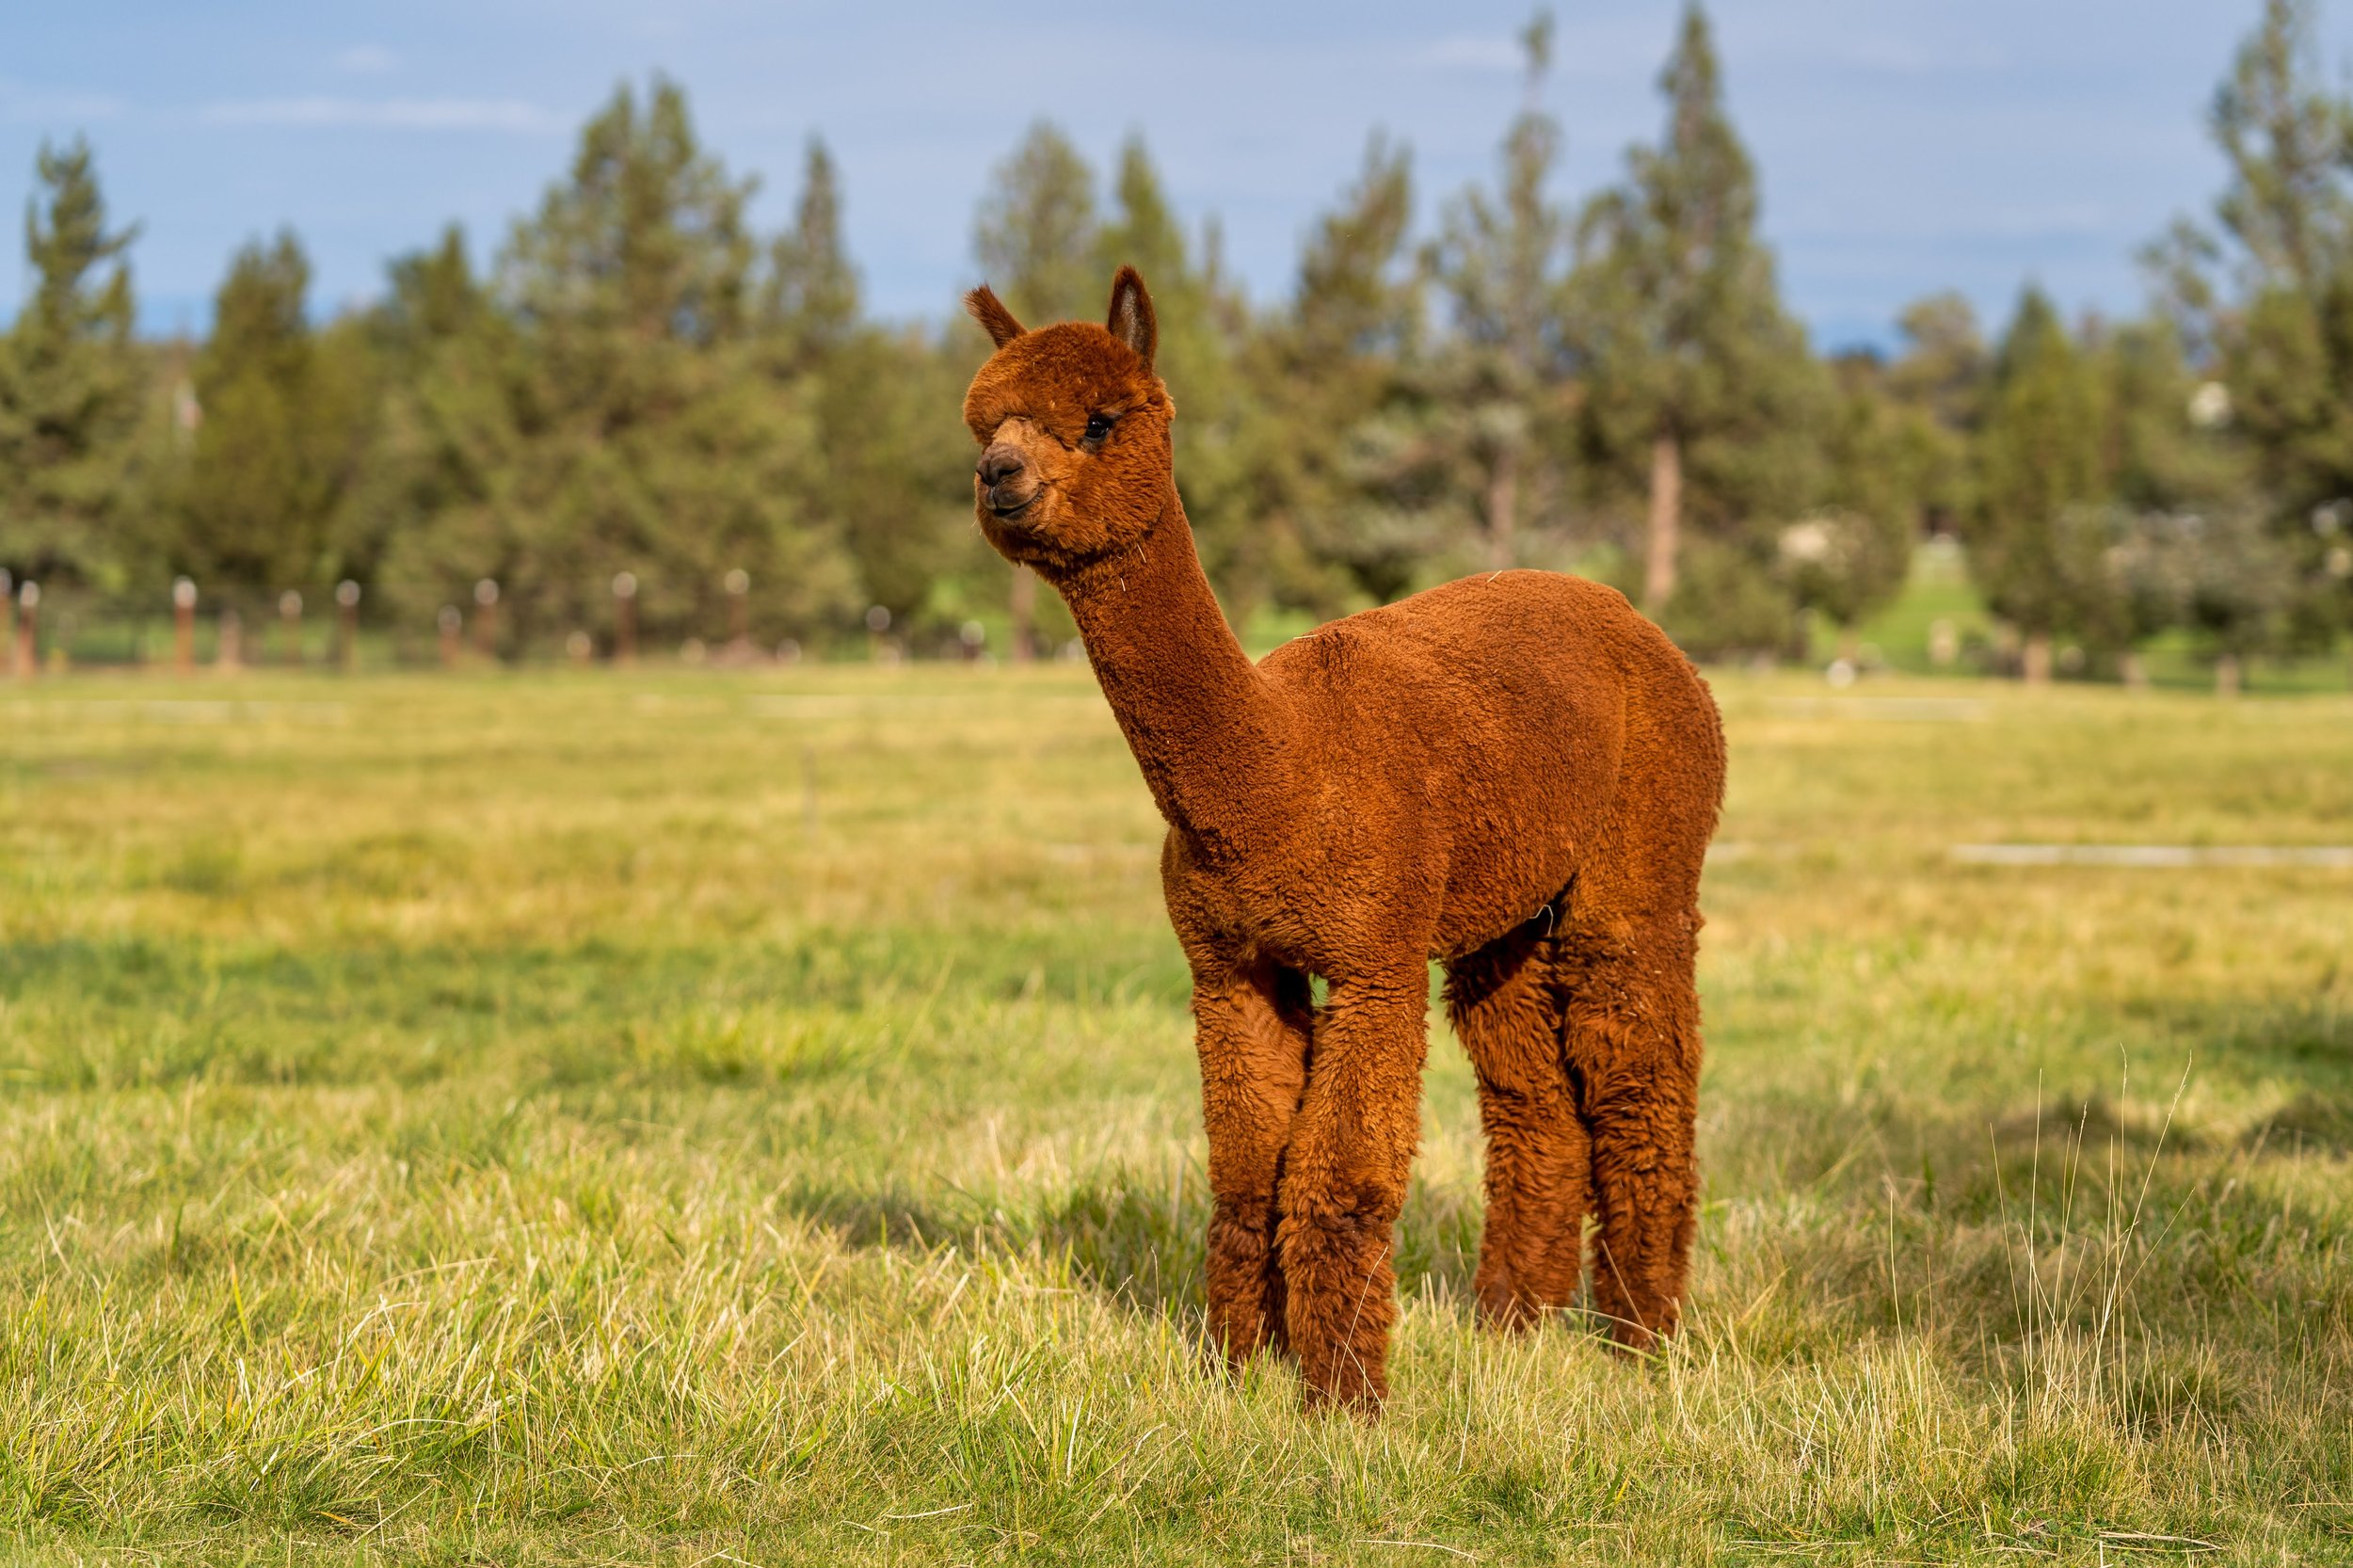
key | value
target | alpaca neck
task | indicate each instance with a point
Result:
(1205, 729)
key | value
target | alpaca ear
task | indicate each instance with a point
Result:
(991, 314)
(1132, 320)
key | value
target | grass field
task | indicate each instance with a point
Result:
(707, 1119)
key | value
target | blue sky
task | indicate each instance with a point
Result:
(1906, 146)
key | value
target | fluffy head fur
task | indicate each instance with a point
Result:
(1074, 427)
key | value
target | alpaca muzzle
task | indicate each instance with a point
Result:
(1007, 486)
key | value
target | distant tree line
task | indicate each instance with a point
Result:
(639, 387)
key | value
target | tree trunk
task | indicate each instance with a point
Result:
(2035, 661)
(1022, 602)
(2228, 676)
(1666, 521)
(1503, 500)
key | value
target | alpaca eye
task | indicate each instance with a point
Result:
(1098, 425)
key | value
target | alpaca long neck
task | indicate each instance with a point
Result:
(1205, 727)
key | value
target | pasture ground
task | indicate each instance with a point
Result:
(703, 1119)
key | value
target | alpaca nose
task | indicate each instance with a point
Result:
(1000, 463)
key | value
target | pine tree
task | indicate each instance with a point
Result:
(2284, 338)
(1202, 323)
(1850, 559)
(279, 423)
(1698, 379)
(627, 429)
(1498, 263)
(814, 288)
(70, 387)
(1339, 522)
(1937, 387)
(2039, 459)
(1035, 237)
(889, 465)
(2288, 210)
(444, 433)
(2290, 146)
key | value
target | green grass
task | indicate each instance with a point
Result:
(701, 1119)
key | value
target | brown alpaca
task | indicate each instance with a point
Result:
(1514, 774)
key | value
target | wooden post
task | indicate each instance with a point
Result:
(347, 623)
(624, 618)
(290, 625)
(232, 650)
(739, 586)
(2034, 664)
(1666, 523)
(451, 623)
(1021, 604)
(183, 626)
(485, 620)
(28, 630)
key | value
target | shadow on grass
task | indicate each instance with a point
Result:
(2295, 1052)
(1138, 1240)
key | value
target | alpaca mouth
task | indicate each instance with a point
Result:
(1012, 513)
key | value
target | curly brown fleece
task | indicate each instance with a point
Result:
(1515, 774)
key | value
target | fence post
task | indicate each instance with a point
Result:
(290, 623)
(739, 586)
(184, 625)
(8, 618)
(28, 630)
(232, 651)
(347, 623)
(485, 620)
(624, 618)
(451, 623)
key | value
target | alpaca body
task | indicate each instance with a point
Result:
(1515, 774)
(1455, 755)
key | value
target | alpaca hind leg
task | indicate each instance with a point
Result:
(1344, 1181)
(1506, 1009)
(1633, 1048)
(1251, 1028)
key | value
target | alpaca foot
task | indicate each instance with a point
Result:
(1632, 1336)
(1504, 1308)
(1348, 1384)
(1245, 1284)
(1342, 1301)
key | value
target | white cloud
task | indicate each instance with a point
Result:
(367, 59)
(1475, 51)
(388, 114)
(24, 105)
(1892, 56)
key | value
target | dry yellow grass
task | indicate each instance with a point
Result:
(493, 1119)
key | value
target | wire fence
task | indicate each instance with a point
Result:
(186, 625)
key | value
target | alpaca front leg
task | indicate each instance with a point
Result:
(1251, 1032)
(1344, 1181)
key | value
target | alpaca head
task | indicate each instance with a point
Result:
(1073, 427)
